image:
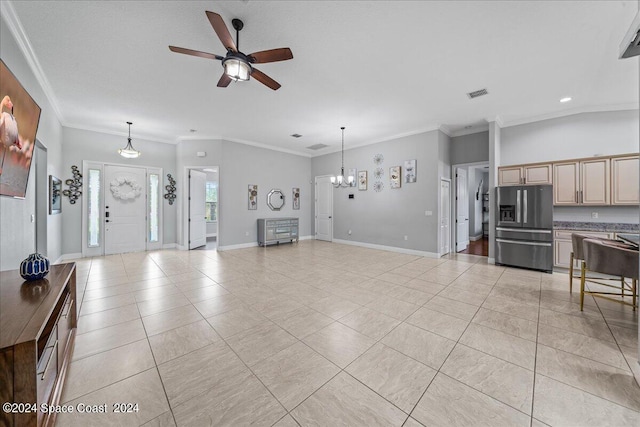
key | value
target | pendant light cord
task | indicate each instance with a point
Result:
(342, 152)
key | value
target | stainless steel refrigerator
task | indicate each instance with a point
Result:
(524, 229)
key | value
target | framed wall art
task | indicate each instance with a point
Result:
(296, 198)
(394, 177)
(253, 197)
(362, 180)
(353, 173)
(409, 171)
(55, 195)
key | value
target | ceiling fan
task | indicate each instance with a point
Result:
(237, 65)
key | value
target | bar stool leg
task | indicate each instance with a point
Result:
(582, 280)
(634, 284)
(622, 286)
(571, 274)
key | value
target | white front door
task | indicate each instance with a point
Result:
(125, 209)
(462, 210)
(445, 217)
(197, 207)
(324, 208)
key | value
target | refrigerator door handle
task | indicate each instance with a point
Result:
(519, 242)
(524, 207)
(518, 206)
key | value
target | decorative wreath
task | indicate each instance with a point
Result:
(118, 184)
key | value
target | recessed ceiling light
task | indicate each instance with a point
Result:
(193, 130)
(565, 99)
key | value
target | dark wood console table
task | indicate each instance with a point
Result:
(37, 332)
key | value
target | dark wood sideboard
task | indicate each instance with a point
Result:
(37, 332)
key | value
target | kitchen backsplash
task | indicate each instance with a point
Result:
(616, 214)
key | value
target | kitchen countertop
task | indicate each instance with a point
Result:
(607, 227)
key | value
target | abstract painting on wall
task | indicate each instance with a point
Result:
(394, 177)
(296, 198)
(253, 197)
(19, 117)
(409, 171)
(362, 180)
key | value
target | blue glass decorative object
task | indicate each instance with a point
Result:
(35, 267)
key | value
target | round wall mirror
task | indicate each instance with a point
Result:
(275, 200)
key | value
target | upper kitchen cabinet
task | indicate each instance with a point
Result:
(624, 180)
(525, 175)
(584, 182)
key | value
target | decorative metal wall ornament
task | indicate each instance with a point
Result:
(253, 197)
(171, 189)
(378, 186)
(378, 173)
(296, 198)
(378, 159)
(74, 191)
(125, 188)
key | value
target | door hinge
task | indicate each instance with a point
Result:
(189, 219)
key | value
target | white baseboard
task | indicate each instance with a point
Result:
(388, 248)
(306, 237)
(169, 246)
(491, 261)
(240, 246)
(475, 238)
(66, 257)
(212, 235)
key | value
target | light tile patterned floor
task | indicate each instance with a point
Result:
(326, 334)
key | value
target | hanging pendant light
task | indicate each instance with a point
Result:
(129, 152)
(341, 180)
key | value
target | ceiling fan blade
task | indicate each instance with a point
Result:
(195, 53)
(224, 80)
(273, 55)
(264, 79)
(222, 31)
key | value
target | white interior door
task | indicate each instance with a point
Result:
(197, 207)
(324, 208)
(445, 217)
(125, 209)
(462, 210)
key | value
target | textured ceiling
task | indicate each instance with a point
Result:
(382, 69)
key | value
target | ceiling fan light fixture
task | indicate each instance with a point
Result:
(129, 152)
(237, 69)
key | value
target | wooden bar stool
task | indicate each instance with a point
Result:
(614, 258)
(577, 254)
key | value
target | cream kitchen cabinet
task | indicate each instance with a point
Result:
(526, 174)
(585, 182)
(624, 181)
(563, 245)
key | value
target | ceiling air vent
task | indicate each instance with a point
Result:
(296, 135)
(477, 93)
(317, 146)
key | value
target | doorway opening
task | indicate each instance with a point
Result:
(201, 208)
(471, 208)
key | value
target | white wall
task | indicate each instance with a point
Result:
(577, 136)
(17, 232)
(570, 137)
(384, 218)
(470, 148)
(82, 145)
(239, 166)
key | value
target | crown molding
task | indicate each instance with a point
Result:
(267, 147)
(572, 112)
(473, 129)
(17, 30)
(446, 130)
(105, 131)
